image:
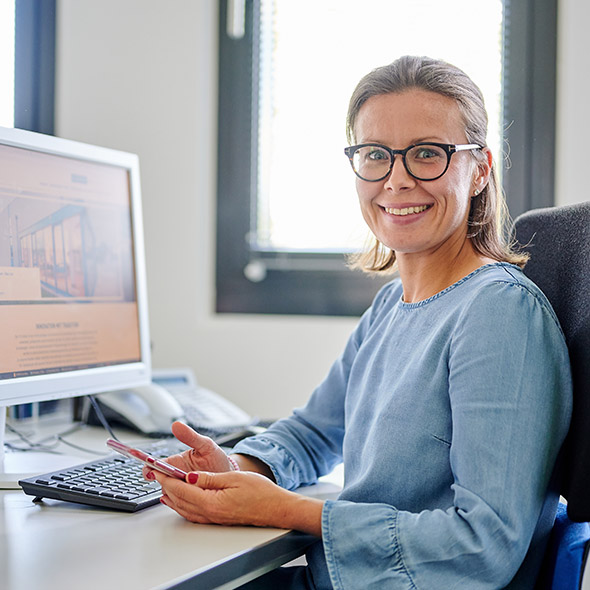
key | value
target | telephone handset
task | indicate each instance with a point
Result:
(150, 408)
(174, 395)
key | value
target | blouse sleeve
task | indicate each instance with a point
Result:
(510, 396)
(308, 444)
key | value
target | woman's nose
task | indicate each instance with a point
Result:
(399, 178)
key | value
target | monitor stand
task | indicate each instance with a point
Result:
(17, 465)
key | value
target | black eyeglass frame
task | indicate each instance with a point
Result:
(449, 149)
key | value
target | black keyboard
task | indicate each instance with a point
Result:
(114, 482)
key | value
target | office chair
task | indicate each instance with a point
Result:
(558, 241)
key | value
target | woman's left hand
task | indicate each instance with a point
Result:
(240, 498)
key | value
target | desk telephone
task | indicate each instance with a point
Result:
(174, 395)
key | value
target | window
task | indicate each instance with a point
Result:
(283, 227)
(299, 92)
(7, 63)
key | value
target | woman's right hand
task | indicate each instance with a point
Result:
(204, 454)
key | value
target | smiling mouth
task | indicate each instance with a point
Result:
(406, 210)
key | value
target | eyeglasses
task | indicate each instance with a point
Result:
(424, 161)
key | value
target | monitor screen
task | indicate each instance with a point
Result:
(73, 306)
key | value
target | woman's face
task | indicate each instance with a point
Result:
(440, 207)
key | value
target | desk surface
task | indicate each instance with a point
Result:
(57, 544)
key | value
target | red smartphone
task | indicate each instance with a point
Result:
(148, 460)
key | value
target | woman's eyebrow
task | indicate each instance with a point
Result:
(426, 139)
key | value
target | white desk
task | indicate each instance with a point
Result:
(60, 545)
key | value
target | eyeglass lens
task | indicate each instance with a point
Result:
(422, 161)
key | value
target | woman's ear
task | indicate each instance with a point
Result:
(483, 171)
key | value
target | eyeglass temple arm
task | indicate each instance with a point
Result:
(467, 146)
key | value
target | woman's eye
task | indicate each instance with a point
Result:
(377, 154)
(426, 153)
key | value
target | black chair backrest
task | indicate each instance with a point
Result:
(558, 241)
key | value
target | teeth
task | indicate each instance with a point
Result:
(406, 210)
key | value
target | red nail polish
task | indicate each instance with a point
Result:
(193, 478)
(150, 475)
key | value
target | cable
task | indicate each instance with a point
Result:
(49, 443)
(101, 417)
(31, 446)
(79, 426)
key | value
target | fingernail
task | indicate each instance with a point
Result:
(150, 475)
(192, 477)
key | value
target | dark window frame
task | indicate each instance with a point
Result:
(318, 284)
(34, 61)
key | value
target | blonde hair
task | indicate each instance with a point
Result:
(488, 217)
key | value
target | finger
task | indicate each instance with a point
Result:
(163, 479)
(175, 496)
(186, 510)
(191, 438)
(212, 481)
(194, 505)
(148, 473)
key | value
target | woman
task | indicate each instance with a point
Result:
(452, 397)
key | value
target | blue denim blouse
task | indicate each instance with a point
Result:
(448, 415)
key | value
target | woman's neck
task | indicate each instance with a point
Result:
(426, 274)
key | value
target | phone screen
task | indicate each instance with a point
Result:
(148, 460)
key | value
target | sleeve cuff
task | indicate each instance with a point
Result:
(279, 460)
(361, 546)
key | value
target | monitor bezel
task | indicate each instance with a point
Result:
(51, 386)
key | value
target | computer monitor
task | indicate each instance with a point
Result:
(73, 302)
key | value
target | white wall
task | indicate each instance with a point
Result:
(573, 89)
(140, 75)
